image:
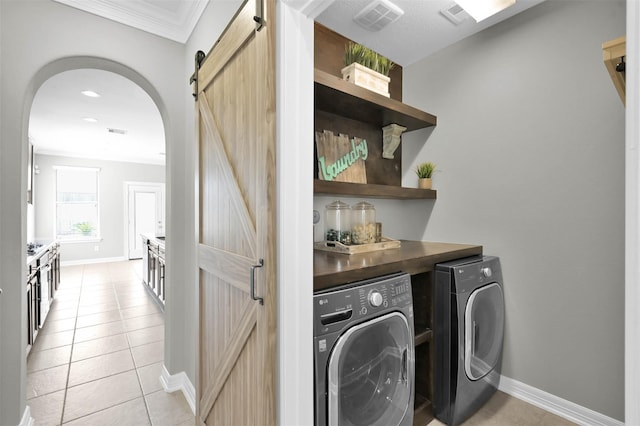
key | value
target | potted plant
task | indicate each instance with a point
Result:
(85, 228)
(424, 172)
(366, 68)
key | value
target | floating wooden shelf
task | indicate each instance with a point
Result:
(372, 190)
(423, 336)
(339, 97)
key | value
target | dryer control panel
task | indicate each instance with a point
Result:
(359, 301)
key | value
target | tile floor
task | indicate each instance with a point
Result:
(98, 359)
(505, 410)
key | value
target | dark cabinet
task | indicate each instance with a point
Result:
(43, 281)
(54, 270)
(153, 267)
(421, 287)
(160, 275)
(33, 303)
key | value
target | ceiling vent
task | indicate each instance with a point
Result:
(378, 15)
(454, 13)
(117, 131)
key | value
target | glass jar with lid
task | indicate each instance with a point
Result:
(363, 223)
(337, 222)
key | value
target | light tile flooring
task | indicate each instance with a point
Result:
(98, 359)
(505, 410)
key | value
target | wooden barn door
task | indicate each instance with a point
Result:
(237, 237)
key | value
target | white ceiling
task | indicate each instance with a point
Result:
(420, 32)
(57, 126)
(56, 123)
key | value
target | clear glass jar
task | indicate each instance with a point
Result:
(337, 222)
(363, 223)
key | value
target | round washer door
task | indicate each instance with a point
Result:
(483, 330)
(370, 373)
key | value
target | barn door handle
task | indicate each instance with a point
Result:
(252, 281)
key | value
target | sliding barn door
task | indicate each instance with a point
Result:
(237, 235)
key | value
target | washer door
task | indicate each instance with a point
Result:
(483, 330)
(370, 373)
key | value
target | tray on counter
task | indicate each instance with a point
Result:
(338, 247)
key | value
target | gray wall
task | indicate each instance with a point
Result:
(530, 147)
(112, 178)
(38, 39)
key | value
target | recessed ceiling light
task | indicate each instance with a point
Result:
(90, 120)
(90, 93)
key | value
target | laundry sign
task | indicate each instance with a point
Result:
(341, 158)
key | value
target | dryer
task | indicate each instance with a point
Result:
(364, 353)
(468, 336)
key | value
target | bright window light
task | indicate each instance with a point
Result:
(77, 208)
(482, 9)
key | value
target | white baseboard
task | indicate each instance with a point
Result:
(556, 405)
(91, 261)
(179, 382)
(27, 420)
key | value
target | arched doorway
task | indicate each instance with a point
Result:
(87, 117)
(56, 141)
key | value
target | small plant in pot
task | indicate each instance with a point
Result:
(85, 228)
(366, 68)
(424, 172)
(362, 55)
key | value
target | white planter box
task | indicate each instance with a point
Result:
(367, 78)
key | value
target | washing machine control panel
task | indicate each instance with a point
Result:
(335, 308)
(384, 295)
(375, 298)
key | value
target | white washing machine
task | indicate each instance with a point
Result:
(468, 335)
(364, 353)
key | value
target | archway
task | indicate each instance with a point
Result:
(69, 65)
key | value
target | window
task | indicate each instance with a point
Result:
(77, 216)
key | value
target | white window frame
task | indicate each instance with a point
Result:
(79, 238)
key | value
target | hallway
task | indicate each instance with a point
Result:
(98, 359)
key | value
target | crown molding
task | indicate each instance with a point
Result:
(171, 19)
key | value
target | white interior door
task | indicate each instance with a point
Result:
(145, 214)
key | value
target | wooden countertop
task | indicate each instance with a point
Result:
(331, 269)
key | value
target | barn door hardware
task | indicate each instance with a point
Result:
(621, 67)
(252, 281)
(193, 81)
(259, 18)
